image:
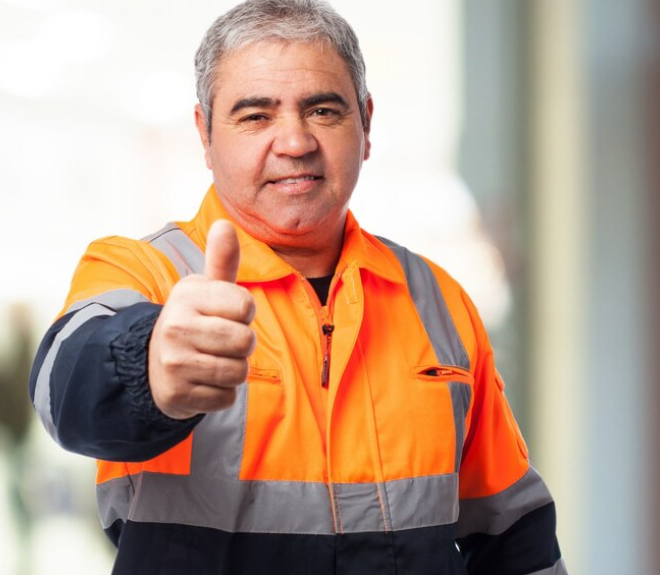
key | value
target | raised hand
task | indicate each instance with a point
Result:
(200, 344)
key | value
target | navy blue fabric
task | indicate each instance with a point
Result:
(164, 549)
(529, 545)
(97, 409)
(428, 550)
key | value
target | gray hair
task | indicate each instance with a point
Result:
(284, 20)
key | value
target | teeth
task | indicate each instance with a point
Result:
(296, 180)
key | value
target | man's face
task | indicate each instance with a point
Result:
(287, 142)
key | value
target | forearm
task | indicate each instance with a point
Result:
(90, 388)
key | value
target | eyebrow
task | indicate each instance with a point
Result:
(265, 102)
(256, 102)
(324, 98)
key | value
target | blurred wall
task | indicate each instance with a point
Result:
(620, 377)
(651, 110)
(580, 76)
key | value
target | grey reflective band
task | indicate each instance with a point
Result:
(423, 501)
(275, 506)
(360, 507)
(114, 499)
(431, 307)
(42, 388)
(495, 514)
(114, 299)
(184, 254)
(558, 568)
(233, 505)
(218, 440)
(461, 396)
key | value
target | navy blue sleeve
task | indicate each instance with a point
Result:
(528, 546)
(90, 387)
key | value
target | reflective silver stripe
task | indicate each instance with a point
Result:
(431, 307)
(233, 505)
(114, 299)
(360, 507)
(42, 388)
(218, 440)
(423, 501)
(279, 506)
(216, 456)
(495, 514)
(184, 254)
(558, 568)
(114, 499)
(461, 395)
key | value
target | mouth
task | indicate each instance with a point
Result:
(292, 180)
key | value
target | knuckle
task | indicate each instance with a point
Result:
(246, 341)
(246, 306)
(174, 330)
(242, 371)
(231, 371)
(172, 362)
(172, 325)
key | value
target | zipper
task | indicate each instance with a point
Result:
(323, 317)
(327, 330)
(323, 314)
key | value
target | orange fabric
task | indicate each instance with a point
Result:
(175, 461)
(118, 263)
(495, 455)
(380, 418)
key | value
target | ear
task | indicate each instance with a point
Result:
(200, 123)
(367, 127)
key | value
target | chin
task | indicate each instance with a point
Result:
(295, 224)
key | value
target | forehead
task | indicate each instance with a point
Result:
(270, 67)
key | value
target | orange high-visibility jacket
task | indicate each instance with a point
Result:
(373, 434)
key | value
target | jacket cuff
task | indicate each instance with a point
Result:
(130, 351)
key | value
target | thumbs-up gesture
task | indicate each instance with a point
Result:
(200, 344)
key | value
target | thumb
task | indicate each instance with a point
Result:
(222, 252)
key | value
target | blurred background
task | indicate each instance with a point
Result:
(516, 142)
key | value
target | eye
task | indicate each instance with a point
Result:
(253, 119)
(324, 112)
(325, 116)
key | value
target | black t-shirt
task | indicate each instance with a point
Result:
(321, 287)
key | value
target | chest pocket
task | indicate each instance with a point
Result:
(442, 384)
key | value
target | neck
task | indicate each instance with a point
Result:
(311, 262)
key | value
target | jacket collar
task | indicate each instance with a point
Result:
(259, 263)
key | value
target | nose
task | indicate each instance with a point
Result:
(294, 138)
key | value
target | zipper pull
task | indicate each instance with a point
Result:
(327, 329)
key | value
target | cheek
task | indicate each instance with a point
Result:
(247, 154)
(352, 151)
(351, 161)
(233, 163)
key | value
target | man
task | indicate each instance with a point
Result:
(270, 389)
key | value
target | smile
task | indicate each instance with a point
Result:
(296, 180)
